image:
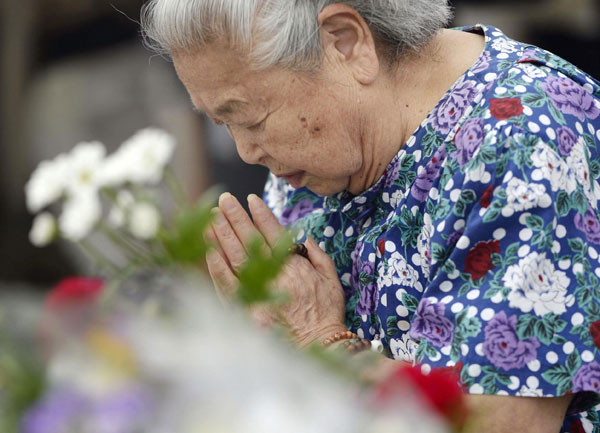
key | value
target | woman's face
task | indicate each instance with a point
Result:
(303, 128)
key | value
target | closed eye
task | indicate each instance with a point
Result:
(257, 127)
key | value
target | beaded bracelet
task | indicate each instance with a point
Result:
(338, 336)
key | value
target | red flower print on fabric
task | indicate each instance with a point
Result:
(506, 108)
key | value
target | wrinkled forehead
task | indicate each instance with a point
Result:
(210, 71)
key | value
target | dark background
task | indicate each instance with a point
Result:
(75, 70)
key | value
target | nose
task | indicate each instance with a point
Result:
(247, 147)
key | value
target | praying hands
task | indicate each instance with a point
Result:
(316, 301)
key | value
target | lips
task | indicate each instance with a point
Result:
(294, 179)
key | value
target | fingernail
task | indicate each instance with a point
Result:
(227, 201)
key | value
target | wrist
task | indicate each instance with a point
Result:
(320, 334)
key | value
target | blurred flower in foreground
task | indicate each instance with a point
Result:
(85, 181)
(73, 291)
(43, 230)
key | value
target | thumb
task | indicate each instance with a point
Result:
(319, 259)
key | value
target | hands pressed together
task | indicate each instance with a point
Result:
(316, 300)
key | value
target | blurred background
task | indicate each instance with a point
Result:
(76, 70)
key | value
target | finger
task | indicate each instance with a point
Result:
(211, 239)
(232, 247)
(264, 220)
(239, 220)
(320, 259)
(223, 277)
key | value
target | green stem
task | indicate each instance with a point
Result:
(175, 186)
(132, 251)
(97, 256)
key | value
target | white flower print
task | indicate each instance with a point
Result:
(521, 195)
(403, 349)
(275, 196)
(423, 245)
(536, 285)
(532, 71)
(525, 391)
(478, 174)
(577, 161)
(396, 199)
(398, 272)
(550, 166)
(505, 45)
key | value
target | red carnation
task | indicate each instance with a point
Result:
(74, 291)
(595, 332)
(506, 108)
(440, 389)
(381, 246)
(479, 260)
(486, 197)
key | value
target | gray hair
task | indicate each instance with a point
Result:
(285, 32)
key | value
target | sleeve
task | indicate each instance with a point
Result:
(515, 282)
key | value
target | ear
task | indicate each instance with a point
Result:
(347, 39)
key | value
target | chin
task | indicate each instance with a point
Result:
(327, 189)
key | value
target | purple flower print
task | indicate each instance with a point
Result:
(454, 237)
(424, 181)
(431, 323)
(369, 295)
(391, 172)
(294, 213)
(502, 345)
(587, 378)
(590, 225)
(468, 139)
(570, 98)
(452, 107)
(529, 54)
(483, 63)
(566, 140)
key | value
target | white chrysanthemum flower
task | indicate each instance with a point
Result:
(424, 245)
(537, 285)
(117, 216)
(521, 195)
(80, 215)
(84, 163)
(43, 230)
(47, 183)
(140, 159)
(144, 221)
(550, 166)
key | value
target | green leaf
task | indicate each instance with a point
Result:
(392, 326)
(261, 268)
(576, 244)
(558, 339)
(584, 297)
(557, 374)
(407, 162)
(562, 203)
(504, 379)
(533, 100)
(573, 362)
(420, 352)
(470, 327)
(526, 326)
(464, 289)
(543, 332)
(512, 249)
(185, 242)
(534, 222)
(410, 302)
(496, 259)
(579, 202)
(430, 352)
(491, 215)
(459, 208)
(468, 196)
(438, 252)
(558, 116)
(594, 169)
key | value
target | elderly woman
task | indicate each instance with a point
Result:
(444, 183)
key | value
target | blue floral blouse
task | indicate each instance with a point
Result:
(479, 247)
